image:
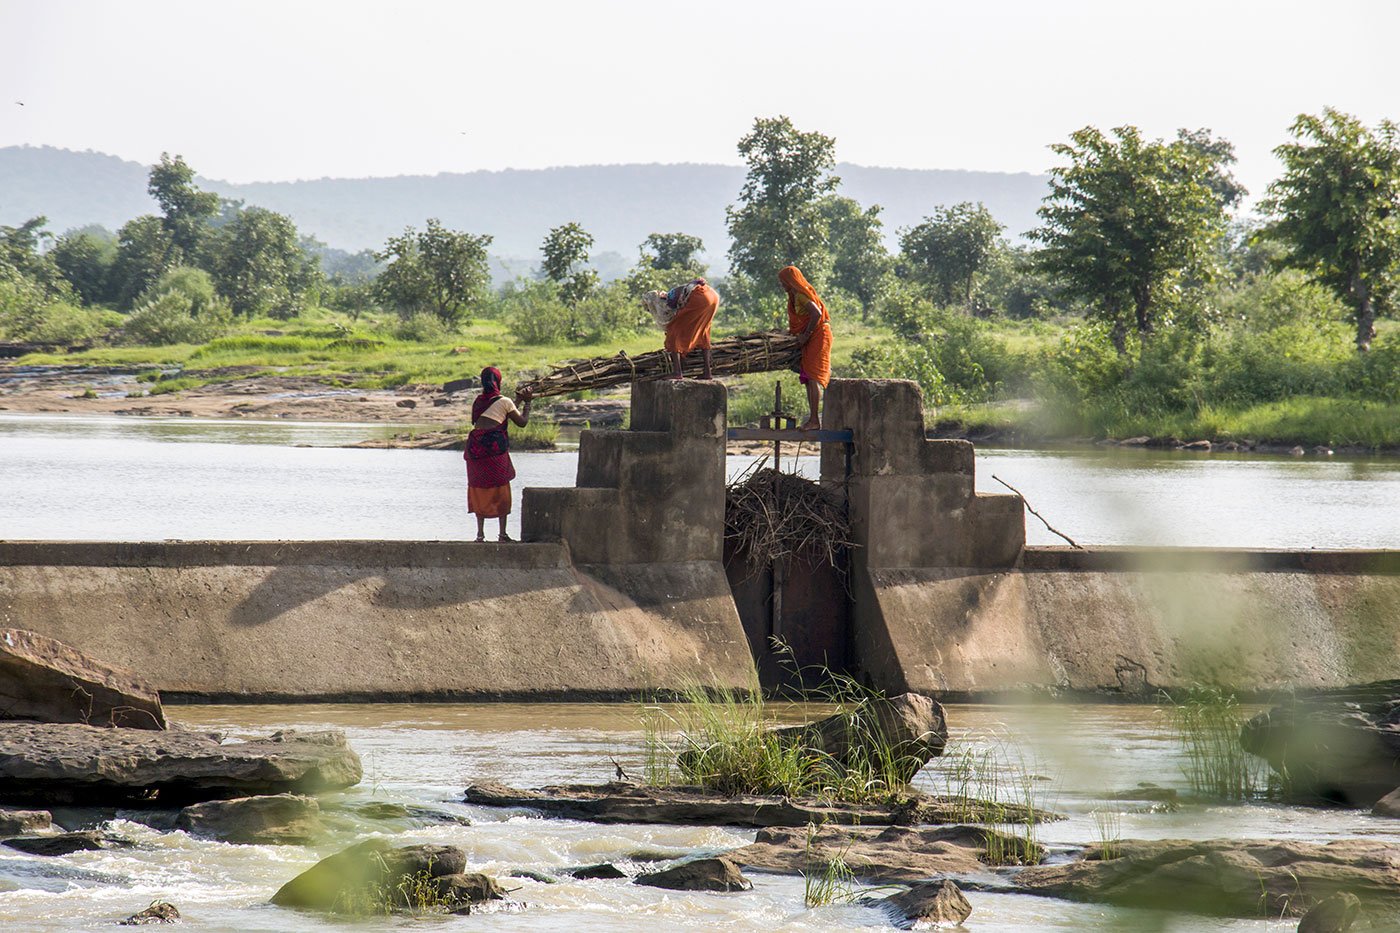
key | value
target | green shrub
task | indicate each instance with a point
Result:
(422, 327)
(181, 307)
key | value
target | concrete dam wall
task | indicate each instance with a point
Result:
(352, 620)
(621, 589)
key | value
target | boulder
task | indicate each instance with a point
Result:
(927, 903)
(366, 877)
(702, 874)
(76, 764)
(59, 843)
(1336, 914)
(279, 819)
(909, 729)
(22, 822)
(889, 854)
(1224, 877)
(606, 870)
(465, 888)
(45, 680)
(1389, 805)
(681, 805)
(1331, 749)
(158, 912)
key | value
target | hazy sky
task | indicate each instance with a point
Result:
(297, 89)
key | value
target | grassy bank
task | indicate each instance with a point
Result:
(1022, 381)
(1305, 421)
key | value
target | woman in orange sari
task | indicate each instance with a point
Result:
(690, 328)
(489, 469)
(810, 321)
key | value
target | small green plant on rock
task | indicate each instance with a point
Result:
(1108, 830)
(826, 881)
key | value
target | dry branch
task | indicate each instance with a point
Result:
(733, 356)
(1051, 528)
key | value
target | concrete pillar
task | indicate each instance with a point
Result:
(913, 503)
(914, 514)
(651, 494)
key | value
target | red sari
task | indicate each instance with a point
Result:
(489, 468)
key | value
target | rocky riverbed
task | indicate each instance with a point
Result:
(360, 808)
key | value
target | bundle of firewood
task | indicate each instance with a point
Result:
(770, 515)
(732, 356)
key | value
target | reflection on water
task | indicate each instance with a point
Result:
(111, 478)
(424, 754)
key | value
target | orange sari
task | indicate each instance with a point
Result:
(690, 328)
(816, 355)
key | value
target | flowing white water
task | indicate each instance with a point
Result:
(425, 754)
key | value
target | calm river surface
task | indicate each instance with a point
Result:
(114, 478)
(425, 754)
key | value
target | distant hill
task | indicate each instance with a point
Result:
(618, 204)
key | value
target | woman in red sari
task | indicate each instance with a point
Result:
(811, 322)
(489, 470)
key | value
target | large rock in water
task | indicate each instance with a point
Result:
(55, 763)
(1225, 877)
(278, 819)
(702, 874)
(927, 903)
(46, 680)
(906, 730)
(1332, 749)
(366, 877)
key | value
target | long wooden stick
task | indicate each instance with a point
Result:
(1050, 527)
(733, 356)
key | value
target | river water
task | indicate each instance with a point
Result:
(129, 479)
(425, 754)
(104, 478)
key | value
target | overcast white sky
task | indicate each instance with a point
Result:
(300, 89)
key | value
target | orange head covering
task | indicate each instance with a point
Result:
(796, 284)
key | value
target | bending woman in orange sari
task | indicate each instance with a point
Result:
(489, 469)
(690, 328)
(810, 321)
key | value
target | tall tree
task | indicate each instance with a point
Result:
(85, 258)
(144, 251)
(673, 251)
(565, 262)
(1337, 210)
(1128, 222)
(778, 219)
(1220, 152)
(259, 265)
(860, 264)
(949, 249)
(185, 210)
(437, 270)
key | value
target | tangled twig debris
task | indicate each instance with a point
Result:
(771, 515)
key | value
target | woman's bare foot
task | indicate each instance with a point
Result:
(507, 538)
(811, 424)
(481, 538)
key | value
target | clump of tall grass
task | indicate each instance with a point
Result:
(1207, 723)
(725, 741)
